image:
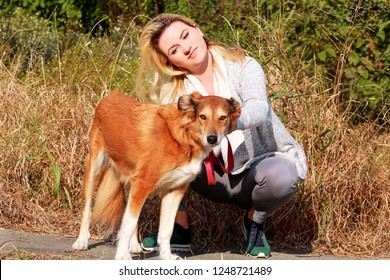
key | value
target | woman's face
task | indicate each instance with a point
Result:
(184, 46)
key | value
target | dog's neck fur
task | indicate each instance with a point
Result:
(184, 131)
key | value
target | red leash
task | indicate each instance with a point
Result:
(211, 159)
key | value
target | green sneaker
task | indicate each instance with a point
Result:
(257, 245)
(180, 240)
(261, 248)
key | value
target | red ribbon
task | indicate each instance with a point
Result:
(211, 159)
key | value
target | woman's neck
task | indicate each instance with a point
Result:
(206, 76)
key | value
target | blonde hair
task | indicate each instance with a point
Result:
(157, 78)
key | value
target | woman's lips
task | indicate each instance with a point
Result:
(193, 53)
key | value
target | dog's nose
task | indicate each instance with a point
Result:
(212, 139)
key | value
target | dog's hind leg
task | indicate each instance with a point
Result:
(139, 191)
(94, 169)
(169, 206)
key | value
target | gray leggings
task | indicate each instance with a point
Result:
(265, 187)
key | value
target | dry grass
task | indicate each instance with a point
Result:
(37, 117)
(342, 208)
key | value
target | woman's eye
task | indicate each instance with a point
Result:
(222, 118)
(186, 35)
(203, 117)
(174, 51)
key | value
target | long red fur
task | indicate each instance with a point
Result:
(148, 147)
(141, 139)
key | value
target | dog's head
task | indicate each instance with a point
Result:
(215, 116)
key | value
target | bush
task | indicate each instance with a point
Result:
(64, 12)
(69, 15)
(29, 37)
(346, 42)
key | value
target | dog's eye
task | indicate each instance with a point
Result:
(203, 117)
(222, 118)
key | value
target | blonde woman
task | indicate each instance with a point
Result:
(177, 59)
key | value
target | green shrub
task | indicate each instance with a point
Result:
(65, 12)
(347, 42)
(29, 37)
(88, 16)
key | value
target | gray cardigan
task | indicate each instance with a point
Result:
(264, 135)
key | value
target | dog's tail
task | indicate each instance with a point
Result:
(110, 201)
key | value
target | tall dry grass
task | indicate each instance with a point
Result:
(343, 207)
(40, 120)
(46, 112)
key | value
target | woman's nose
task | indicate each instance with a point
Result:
(186, 49)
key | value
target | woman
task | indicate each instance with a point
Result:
(268, 162)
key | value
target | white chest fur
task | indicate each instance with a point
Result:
(181, 175)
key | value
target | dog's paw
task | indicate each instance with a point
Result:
(169, 256)
(175, 257)
(80, 245)
(135, 248)
(122, 256)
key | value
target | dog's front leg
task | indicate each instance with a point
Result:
(169, 206)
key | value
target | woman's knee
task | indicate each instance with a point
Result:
(276, 180)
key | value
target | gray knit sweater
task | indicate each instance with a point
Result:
(260, 133)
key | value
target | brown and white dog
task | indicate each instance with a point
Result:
(150, 148)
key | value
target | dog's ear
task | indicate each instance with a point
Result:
(235, 113)
(188, 103)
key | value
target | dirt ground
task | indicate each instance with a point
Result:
(21, 245)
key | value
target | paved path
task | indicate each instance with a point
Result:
(62, 247)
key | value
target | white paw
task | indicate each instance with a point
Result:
(122, 255)
(169, 256)
(135, 248)
(80, 244)
(175, 257)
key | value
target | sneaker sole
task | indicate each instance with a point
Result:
(259, 256)
(174, 248)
